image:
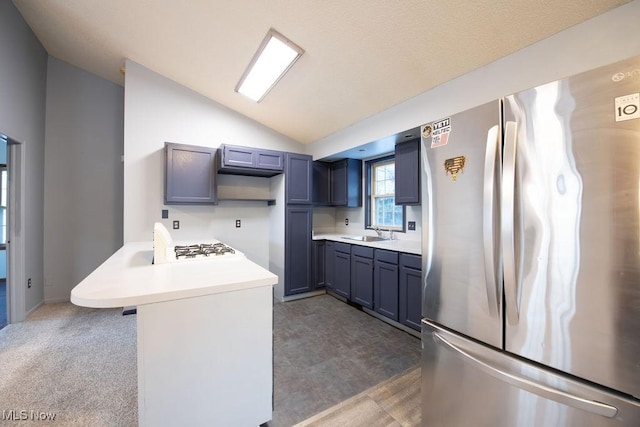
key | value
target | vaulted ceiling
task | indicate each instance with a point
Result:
(361, 56)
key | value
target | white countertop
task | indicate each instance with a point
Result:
(128, 278)
(407, 246)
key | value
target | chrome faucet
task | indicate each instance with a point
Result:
(378, 231)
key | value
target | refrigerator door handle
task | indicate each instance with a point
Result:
(507, 223)
(488, 220)
(543, 390)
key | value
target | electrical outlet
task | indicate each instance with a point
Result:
(176, 225)
(412, 225)
(238, 223)
(29, 282)
(346, 221)
(165, 213)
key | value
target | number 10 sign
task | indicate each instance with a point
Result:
(628, 107)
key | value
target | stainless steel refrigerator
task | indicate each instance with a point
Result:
(531, 257)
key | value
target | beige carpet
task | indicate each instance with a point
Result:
(75, 363)
(395, 402)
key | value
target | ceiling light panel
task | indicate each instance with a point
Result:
(272, 60)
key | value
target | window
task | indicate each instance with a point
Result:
(381, 209)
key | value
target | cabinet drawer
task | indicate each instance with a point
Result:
(362, 251)
(411, 261)
(390, 257)
(342, 247)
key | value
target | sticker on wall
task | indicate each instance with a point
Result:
(454, 165)
(440, 132)
(628, 107)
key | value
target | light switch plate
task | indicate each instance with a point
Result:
(412, 225)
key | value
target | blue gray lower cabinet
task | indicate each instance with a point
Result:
(362, 276)
(410, 290)
(342, 269)
(385, 283)
(329, 260)
(298, 250)
(319, 251)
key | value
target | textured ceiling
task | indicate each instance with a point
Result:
(361, 56)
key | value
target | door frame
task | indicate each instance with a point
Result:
(16, 231)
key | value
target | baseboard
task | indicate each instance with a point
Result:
(305, 295)
(392, 322)
(28, 313)
(55, 300)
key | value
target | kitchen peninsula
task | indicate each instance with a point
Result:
(204, 334)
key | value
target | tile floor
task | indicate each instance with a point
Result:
(326, 351)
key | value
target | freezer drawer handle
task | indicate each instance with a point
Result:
(488, 219)
(542, 390)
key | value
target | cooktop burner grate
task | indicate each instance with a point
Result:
(203, 249)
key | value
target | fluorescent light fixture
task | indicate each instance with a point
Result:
(274, 58)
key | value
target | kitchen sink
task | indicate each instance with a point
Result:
(365, 238)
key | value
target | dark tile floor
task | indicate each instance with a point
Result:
(3, 304)
(326, 351)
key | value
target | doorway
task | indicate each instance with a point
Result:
(12, 245)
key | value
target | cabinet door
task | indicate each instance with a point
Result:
(339, 183)
(321, 184)
(319, 264)
(407, 158)
(298, 179)
(346, 183)
(190, 175)
(269, 159)
(410, 297)
(244, 157)
(250, 161)
(329, 261)
(342, 274)
(385, 284)
(297, 261)
(362, 281)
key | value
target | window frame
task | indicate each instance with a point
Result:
(369, 166)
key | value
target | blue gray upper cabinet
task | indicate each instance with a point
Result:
(190, 175)
(237, 160)
(298, 179)
(407, 158)
(346, 183)
(321, 183)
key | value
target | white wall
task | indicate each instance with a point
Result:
(607, 38)
(158, 110)
(83, 176)
(23, 67)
